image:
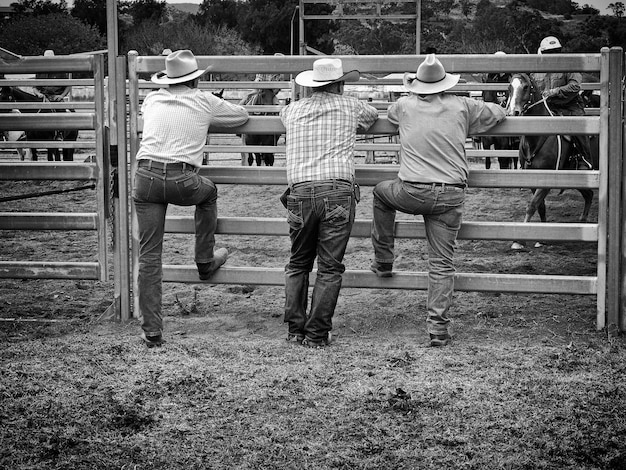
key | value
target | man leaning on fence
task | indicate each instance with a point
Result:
(320, 136)
(432, 178)
(176, 122)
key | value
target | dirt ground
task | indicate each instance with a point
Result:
(532, 382)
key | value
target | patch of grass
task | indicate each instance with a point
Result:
(101, 400)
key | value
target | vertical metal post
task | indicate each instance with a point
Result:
(112, 46)
(301, 43)
(103, 182)
(122, 288)
(418, 26)
(613, 182)
(133, 112)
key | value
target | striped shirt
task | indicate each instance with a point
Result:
(176, 123)
(433, 129)
(321, 133)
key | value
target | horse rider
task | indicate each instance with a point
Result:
(432, 178)
(176, 122)
(561, 90)
(320, 135)
(52, 92)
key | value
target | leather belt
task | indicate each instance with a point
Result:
(152, 164)
(320, 182)
(437, 185)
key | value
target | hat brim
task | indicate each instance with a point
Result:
(414, 85)
(161, 77)
(306, 79)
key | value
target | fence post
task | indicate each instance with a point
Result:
(121, 200)
(614, 217)
(617, 319)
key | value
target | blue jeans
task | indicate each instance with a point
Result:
(442, 208)
(154, 188)
(320, 217)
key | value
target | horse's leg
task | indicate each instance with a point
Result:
(538, 200)
(487, 163)
(536, 204)
(259, 159)
(588, 197)
(269, 159)
(505, 163)
(541, 210)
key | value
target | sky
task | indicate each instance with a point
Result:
(599, 4)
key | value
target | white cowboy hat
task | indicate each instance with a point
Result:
(430, 78)
(325, 72)
(549, 43)
(48, 53)
(180, 66)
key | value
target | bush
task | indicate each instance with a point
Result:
(150, 38)
(32, 35)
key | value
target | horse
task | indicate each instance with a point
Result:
(552, 152)
(501, 143)
(265, 96)
(16, 95)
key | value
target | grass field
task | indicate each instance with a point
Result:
(528, 382)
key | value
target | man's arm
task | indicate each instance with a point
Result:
(227, 114)
(368, 115)
(572, 87)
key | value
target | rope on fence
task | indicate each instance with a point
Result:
(47, 193)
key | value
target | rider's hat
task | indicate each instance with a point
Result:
(180, 66)
(549, 43)
(325, 72)
(430, 78)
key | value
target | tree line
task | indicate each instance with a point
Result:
(238, 27)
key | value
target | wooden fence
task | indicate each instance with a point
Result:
(606, 123)
(87, 116)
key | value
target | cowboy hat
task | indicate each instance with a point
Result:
(325, 72)
(430, 78)
(180, 66)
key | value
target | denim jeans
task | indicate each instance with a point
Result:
(320, 217)
(154, 189)
(442, 209)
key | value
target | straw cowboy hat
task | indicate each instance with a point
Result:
(325, 72)
(430, 78)
(180, 66)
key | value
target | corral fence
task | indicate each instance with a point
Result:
(607, 125)
(87, 71)
(605, 122)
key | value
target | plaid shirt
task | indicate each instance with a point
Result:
(321, 133)
(177, 120)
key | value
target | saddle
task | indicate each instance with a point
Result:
(576, 159)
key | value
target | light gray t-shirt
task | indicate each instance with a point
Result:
(433, 130)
